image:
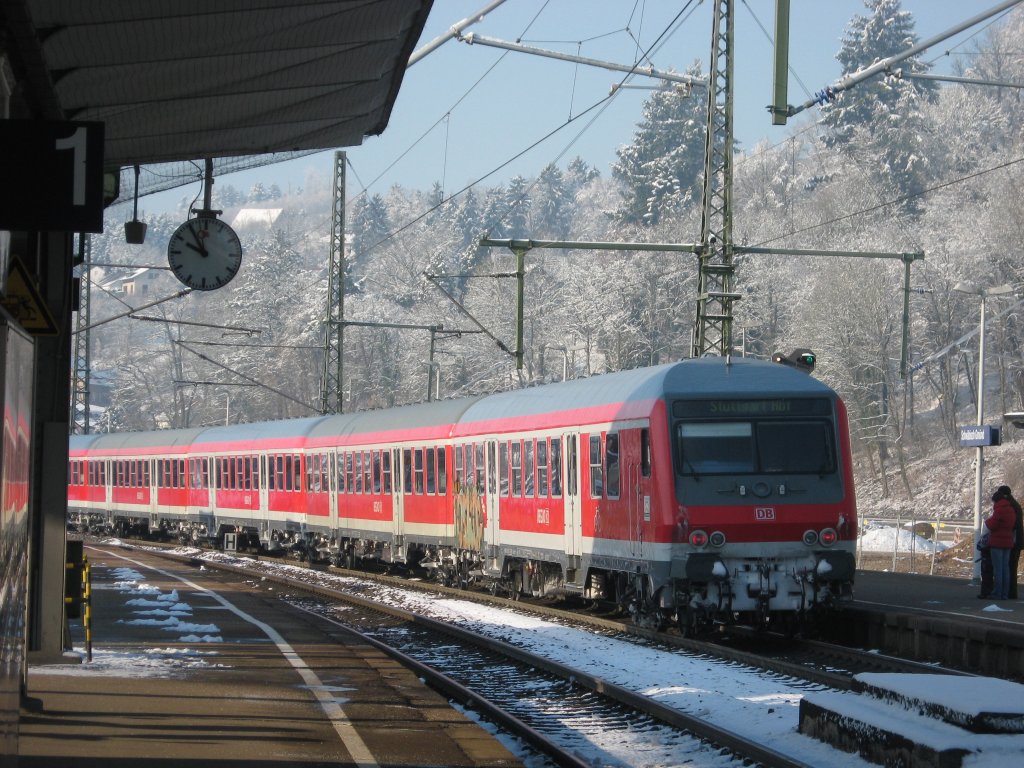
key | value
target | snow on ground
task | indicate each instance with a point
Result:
(155, 608)
(888, 539)
(763, 707)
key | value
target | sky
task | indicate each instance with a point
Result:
(471, 113)
(762, 707)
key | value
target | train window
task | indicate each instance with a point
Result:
(478, 470)
(528, 447)
(795, 446)
(341, 472)
(271, 473)
(407, 455)
(297, 473)
(442, 471)
(431, 457)
(357, 472)
(542, 467)
(645, 452)
(715, 447)
(460, 472)
(596, 467)
(517, 468)
(503, 468)
(350, 480)
(492, 468)
(556, 467)
(254, 464)
(313, 473)
(376, 472)
(611, 456)
(281, 473)
(385, 465)
(367, 472)
(417, 457)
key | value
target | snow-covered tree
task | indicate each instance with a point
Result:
(663, 166)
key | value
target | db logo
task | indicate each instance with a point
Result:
(764, 513)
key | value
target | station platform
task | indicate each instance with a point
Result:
(936, 619)
(199, 668)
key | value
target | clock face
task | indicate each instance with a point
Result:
(204, 253)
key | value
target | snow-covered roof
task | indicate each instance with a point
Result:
(250, 216)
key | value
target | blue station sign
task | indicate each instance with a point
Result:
(974, 437)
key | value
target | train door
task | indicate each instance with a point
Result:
(264, 496)
(397, 489)
(152, 477)
(108, 483)
(571, 489)
(332, 486)
(492, 509)
(636, 492)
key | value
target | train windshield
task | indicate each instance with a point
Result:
(770, 446)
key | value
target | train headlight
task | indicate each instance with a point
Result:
(810, 538)
(717, 539)
(828, 536)
(699, 539)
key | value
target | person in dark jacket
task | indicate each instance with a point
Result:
(1000, 527)
(1018, 541)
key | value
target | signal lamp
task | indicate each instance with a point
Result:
(828, 536)
(810, 538)
(699, 539)
(717, 539)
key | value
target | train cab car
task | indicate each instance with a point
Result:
(766, 523)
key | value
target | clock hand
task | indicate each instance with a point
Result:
(199, 242)
(198, 250)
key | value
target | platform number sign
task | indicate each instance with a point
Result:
(52, 176)
(230, 542)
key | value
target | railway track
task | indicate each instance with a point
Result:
(471, 662)
(817, 662)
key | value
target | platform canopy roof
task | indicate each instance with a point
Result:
(188, 79)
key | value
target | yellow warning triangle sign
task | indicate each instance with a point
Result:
(25, 303)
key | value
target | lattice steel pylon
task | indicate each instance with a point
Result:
(712, 334)
(79, 417)
(331, 393)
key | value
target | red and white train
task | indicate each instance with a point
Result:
(701, 490)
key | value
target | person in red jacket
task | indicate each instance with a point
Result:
(1001, 539)
(1018, 541)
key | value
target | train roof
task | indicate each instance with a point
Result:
(744, 377)
(611, 396)
(116, 442)
(632, 393)
(263, 434)
(423, 420)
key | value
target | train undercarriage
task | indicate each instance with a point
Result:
(704, 594)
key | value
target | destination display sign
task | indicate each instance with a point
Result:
(727, 408)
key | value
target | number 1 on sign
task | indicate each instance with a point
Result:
(76, 143)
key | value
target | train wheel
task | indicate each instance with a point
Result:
(686, 620)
